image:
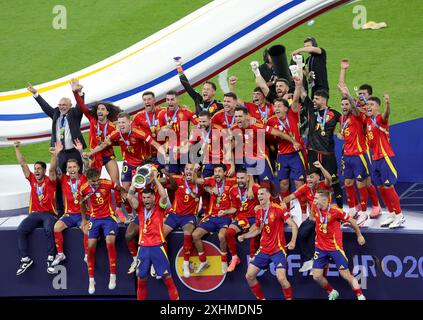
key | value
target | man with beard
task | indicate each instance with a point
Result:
(204, 101)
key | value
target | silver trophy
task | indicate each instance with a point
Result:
(143, 176)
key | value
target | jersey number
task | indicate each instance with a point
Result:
(99, 200)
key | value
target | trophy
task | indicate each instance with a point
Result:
(298, 59)
(294, 70)
(143, 176)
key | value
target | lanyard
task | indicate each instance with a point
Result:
(173, 120)
(153, 122)
(204, 105)
(265, 215)
(74, 187)
(344, 124)
(287, 127)
(104, 130)
(378, 126)
(221, 189)
(325, 219)
(322, 121)
(227, 121)
(242, 198)
(92, 191)
(189, 189)
(40, 191)
(206, 137)
(147, 215)
(264, 114)
(126, 141)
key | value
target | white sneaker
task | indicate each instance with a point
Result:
(362, 218)
(352, 212)
(133, 266)
(203, 265)
(59, 258)
(91, 286)
(308, 265)
(361, 297)
(112, 281)
(388, 220)
(224, 267)
(333, 295)
(398, 221)
(185, 268)
(86, 259)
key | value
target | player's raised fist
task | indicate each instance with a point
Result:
(345, 63)
(76, 86)
(387, 98)
(17, 144)
(233, 80)
(31, 89)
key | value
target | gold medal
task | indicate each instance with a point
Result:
(196, 199)
(76, 201)
(144, 230)
(218, 202)
(323, 133)
(41, 197)
(324, 229)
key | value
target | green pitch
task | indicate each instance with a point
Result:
(32, 50)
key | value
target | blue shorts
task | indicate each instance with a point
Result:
(108, 225)
(243, 224)
(213, 224)
(128, 172)
(384, 172)
(137, 220)
(208, 170)
(356, 167)
(262, 260)
(260, 168)
(72, 220)
(322, 257)
(156, 256)
(291, 166)
(174, 220)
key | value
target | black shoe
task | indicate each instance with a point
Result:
(24, 265)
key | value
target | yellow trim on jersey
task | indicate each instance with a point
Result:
(302, 158)
(164, 251)
(388, 160)
(338, 248)
(114, 218)
(161, 236)
(267, 159)
(358, 145)
(364, 163)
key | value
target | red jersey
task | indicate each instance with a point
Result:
(261, 113)
(100, 198)
(223, 120)
(273, 233)
(149, 122)
(378, 137)
(309, 193)
(353, 132)
(70, 190)
(289, 125)
(185, 197)
(330, 240)
(42, 194)
(213, 140)
(244, 208)
(151, 226)
(252, 139)
(223, 188)
(132, 144)
(98, 131)
(179, 120)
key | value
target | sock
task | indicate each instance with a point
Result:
(86, 243)
(395, 201)
(351, 195)
(171, 288)
(141, 289)
(187, 246)
(224, 256)
(358, 292)
(373, 196)
(254, 245)
(91, 261)
(231, 240)
(328, 288)
(363, 198)
(58, 239)
(287, 292)
(256, 289)
(111, 251)
(386, 200)
(133, 248)
(338, 194)
(285, 194)
(202, 256)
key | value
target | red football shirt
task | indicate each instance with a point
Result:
(214, 140)
(151, 226)
(184, 200)
(42, 194)
(223, 120)
(100, 198)
(223, 188)
(309, 193)
(179, 121)
(246, 210)
(332, 239)
(261, 113)
(289, 125)
(273, 233)
(133, 146)
(149, 122)
(353, 132)
(378, 137)
(70, 190)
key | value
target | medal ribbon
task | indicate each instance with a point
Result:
(104, 130)
(321, 121)
(227, 121)
(126, 141)
(173, 117)
(40, 191)
(264, 114)
(74, 188)
(265, 215)
(190, 190)
(344, 124)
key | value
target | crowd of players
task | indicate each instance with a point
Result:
(214, 171)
